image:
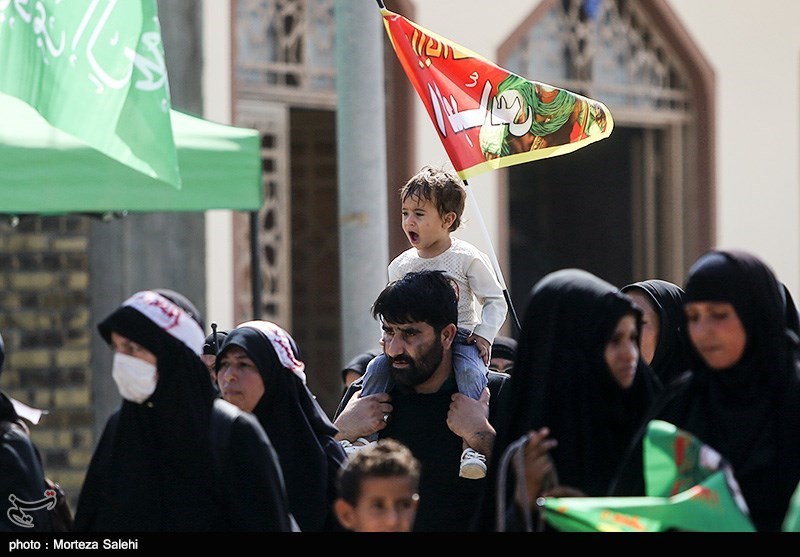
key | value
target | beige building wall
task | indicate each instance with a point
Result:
(754, 49)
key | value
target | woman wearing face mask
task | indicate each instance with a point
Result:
(157, 466)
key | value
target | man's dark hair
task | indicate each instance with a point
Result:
(421, 296)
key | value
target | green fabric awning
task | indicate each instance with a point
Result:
(45, 171)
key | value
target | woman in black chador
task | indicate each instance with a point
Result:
(259, 370)
(579, 392)
(159, 465)
(743, 398)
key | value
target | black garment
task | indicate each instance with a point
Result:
(504, 347)
(303, 436)
(21, 475)
(248, 495)
(213, 342)
(152, 470)
(792, 315)
(448, 503)
(359, 363)
(561, 381)
(749, 412)
(671, 357)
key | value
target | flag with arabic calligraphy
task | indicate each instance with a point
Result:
(95, 70)
(488, 117)
(690, 487)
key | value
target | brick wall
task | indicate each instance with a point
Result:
(45, 323)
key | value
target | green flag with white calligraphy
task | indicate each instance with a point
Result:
(96, 70)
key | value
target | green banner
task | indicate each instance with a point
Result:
(45, 171)
(791, 523)
(689, 487)
(95, 70)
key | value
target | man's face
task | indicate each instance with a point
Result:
(414, 351)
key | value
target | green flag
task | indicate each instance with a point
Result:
(689, 487)
(791, 523)
(95, 70)
(675, 460)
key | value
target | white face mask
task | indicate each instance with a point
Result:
(135, 378)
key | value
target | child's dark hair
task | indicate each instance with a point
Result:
(386, 458)
(420, 296)
(441, 187)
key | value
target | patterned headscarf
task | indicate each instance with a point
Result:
(153, 456)
(300, 431)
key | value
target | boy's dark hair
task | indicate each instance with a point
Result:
(420, 296)
(441, 187)
(386, 458)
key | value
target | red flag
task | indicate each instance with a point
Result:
(488, 117)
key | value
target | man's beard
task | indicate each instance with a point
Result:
(420, 370)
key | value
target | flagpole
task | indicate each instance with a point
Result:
(474, 204)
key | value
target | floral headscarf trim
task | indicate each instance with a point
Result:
(282, 344)
(169, 317)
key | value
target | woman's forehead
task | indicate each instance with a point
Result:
(709, 304)
(119, 338)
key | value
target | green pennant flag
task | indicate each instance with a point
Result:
(791, 523)
(95, 70)
(690, 487)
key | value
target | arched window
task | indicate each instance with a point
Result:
(640, 203)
